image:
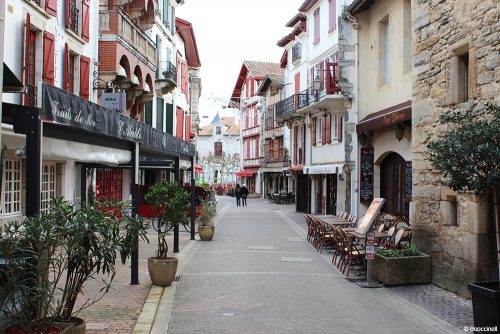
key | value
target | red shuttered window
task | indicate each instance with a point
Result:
(85, 20)
(316, 26)
(180, 123)
(71, 73)
(84, 77)
(297, 90)
(51, 7)
(66, 66)
(332, 21)
(276, 149)
(49, 44)
(268, 146)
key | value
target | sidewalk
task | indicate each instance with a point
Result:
(260, 275)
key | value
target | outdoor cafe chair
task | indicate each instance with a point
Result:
(328, 237)
(352, 254)
(398, 239)
(387, 244)
(310, 227)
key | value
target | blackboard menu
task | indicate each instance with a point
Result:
(366, 181)
(408, 181)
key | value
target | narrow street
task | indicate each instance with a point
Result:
(260, 275)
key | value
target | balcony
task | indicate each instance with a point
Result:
(296, 52)
(255, 162)
(166, 77)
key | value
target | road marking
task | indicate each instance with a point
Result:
(262, 247)
(295, 259)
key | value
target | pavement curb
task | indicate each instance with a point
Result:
(155, 314)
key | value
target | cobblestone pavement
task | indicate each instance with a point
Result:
(118, 310)
(259, 275)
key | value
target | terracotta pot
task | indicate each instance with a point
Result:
(162, 270)
(206, 232)
(78, 326)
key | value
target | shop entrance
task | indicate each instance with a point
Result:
(392, 183)
(331, 194)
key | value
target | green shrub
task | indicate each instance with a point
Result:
(406, 250)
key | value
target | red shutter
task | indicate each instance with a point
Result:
(49, 44)
(188, 128)
(68, 14)
(27, 30)
(276, 149)
(267, 147)
(297, 90)
(84, 77)
(295, 133)
(328, 121)
(333, 16)
(85, 20)
(248, 149)
(339, 131)
(66, 66)
(51, 7)
(180, 123)
(323, 131)
(313, 132)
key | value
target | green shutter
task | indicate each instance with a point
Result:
(172, 26)
(148, 113)
(159, 113)
(169, 115)
(165, 12)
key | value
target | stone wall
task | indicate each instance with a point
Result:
(451, 227)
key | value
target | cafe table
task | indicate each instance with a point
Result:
(378, 235)
(336, 221)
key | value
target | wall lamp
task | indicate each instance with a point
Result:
(341, 177)
(399, 131)
(364, 138)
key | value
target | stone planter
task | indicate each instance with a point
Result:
(402, 270)
(486, 304)
(206, 232)
(162, 270)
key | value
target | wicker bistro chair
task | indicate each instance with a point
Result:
(327, 237)
(352, 254)
(310, 227)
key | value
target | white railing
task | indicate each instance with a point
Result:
(251, 162)
(250, 132)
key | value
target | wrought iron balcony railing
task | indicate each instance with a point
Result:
(285, 107)
(73, 13)
(165, 70)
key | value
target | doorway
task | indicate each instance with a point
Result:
(392, 185)
(331, 194)
(302, 192)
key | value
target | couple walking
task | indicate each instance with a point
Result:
(241, 194)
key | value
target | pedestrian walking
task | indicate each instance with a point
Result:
(237, 193)
(244, 195)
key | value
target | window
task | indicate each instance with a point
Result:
(319, 130)
(280, 149)
(159, 113)
(337, 128)
(73, 16)
(459, 86)
(384, 50)
(271, 150)
(148, 113)
(12, 187)
(218, 130)
(71, 73)
(48, 190)
(166, 13)
(109, 184)
(316, 26)
(218, 149)
(296, 52)
(84, 77)
(332, 17)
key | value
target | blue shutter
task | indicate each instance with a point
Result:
(172, 26)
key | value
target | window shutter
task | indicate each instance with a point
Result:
(66, 67)
(85, 20)
(165, 12)
(312, 77)
(188, 129)
(172, 24)
(313, 132)
(324, 130)
(316, 26)
(339, 131)
(248, 149)
(51, 7)
(68, 14)
(27, 30)
(328, 121)
(268, 146)
(49, 43)
(180, 123)
(333, 15)
(295, 133)
(276, 149)
(84, 77)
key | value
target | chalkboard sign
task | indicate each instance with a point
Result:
(366, 178)
(408, 180)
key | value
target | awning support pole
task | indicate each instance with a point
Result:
(193, 199)
(176, 226)
(134, 258)
(83, 185)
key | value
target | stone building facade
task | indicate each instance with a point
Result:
(456, 66)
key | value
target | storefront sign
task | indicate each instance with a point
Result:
(114, 101)
(366, 177)
(393, 118)
(59, 106)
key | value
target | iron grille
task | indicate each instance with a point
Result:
(166, 71)
(296, 52)
(31, 92)
(285, 107)
(73, 13)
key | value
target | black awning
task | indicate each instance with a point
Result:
(11, 84)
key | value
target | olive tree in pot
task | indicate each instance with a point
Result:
(469, 157)
(206, 226)
(169, 202)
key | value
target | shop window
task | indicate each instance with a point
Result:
(109, 184)
(48, 189)
(11, 187)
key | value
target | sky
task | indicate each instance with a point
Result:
(228, 32)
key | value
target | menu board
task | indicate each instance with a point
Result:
(366, 177)
(408, 181)
(369, 217)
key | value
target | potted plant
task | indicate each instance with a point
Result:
(169, 202)
(206, 226)
(469, 157)
(402, 266)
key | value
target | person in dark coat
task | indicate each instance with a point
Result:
(244, 195)
(237, 193)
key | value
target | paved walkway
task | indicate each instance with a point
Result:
(260, 275)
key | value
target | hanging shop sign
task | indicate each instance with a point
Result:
(115, 102)
(61, 107)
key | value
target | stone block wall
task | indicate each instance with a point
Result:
(441, 30)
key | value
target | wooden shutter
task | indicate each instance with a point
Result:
(332, 15)
(184, 78)
(313, 132)
(328, 121)
(85, 20)
(312, 77)
(49, 44)
(248, 142)
(68, 14)
(165, 12)
(66, 66)
(51, 7)
(267, 148)
(295, 133)
(339, 128)
(276, 144)
(180, 123)
(323, 131)
(188, 129)
(316, 26)
(84, 77)
(297, 90)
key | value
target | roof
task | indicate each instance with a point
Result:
(233, 129)
(185, 30)
(297, 18)
(307, 5)
(359, 5)
(278, 80)
(284, 59)
(285, 40)
(255, 69)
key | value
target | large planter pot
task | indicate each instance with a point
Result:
(162, 270)
(485, 304)
(52, 328)
(206, 232)
(402, 270)
(78, 326)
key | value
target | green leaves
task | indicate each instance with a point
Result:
(469, 153)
